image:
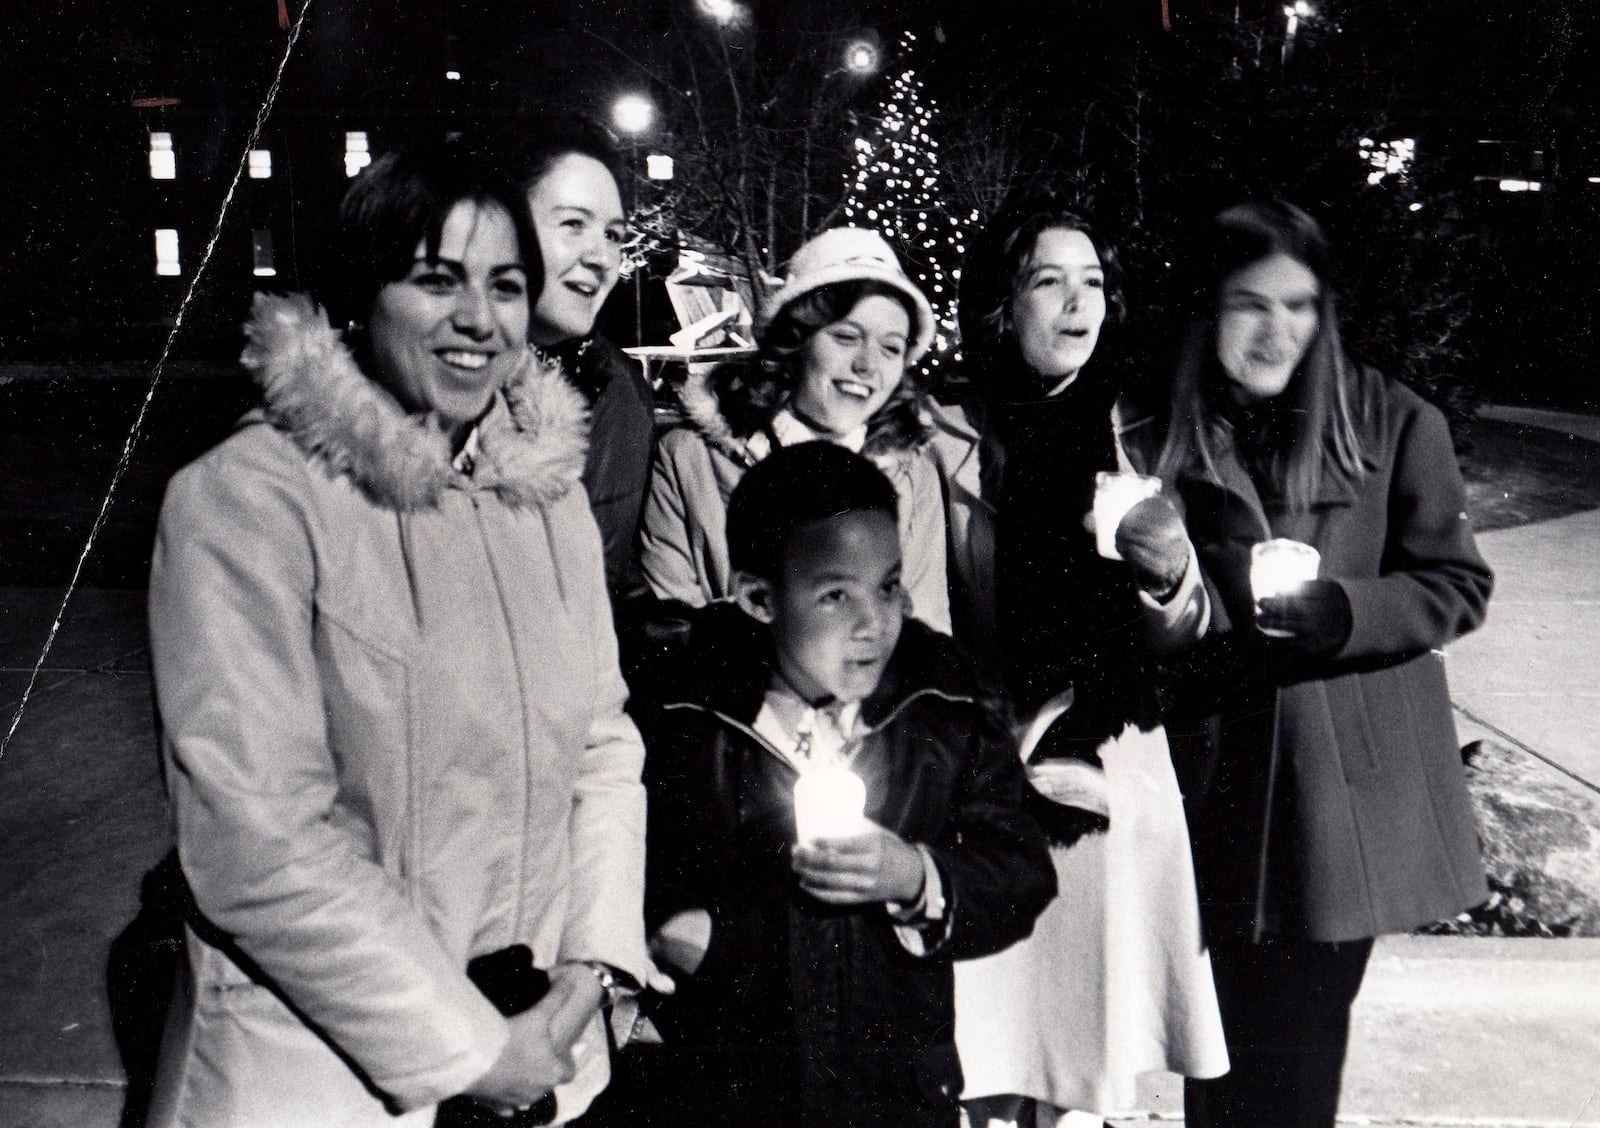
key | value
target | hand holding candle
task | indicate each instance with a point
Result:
(1313, 621)
(1114, 494)
(872, 867)
(1153, 540)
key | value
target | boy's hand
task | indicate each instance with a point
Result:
(873, 867)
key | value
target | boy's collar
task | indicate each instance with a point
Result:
(790, 430)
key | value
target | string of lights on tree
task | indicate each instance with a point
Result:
(896, 188)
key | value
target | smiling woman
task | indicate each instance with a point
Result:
(569, 170)
(837, 342)
(386, 674)
(447, 336)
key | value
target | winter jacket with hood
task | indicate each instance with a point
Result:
(683, 543)
(393, 740)
(800, 1013)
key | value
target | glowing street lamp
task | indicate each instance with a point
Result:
(861, 57)
(633, 113)
(723, 12)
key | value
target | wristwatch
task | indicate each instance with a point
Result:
(610, 989)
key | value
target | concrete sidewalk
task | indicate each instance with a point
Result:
(1447, 1031)
(1531, 676)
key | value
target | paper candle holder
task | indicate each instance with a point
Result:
(1279, 567)
(830, 801)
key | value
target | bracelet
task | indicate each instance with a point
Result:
(610, 989)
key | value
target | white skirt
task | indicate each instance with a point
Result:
(1114, 981)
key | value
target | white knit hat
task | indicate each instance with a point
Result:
(851, 254)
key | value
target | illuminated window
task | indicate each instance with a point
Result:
(167, 251)
(357, 155)
(260, 164)
(658, 166)
(163, 161)
(1388, 158)
(1515, 185)
(261, 252)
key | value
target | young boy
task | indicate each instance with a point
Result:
(814, 977)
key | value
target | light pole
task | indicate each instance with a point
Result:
(633, 114)
(860, 59)
(1292, 15)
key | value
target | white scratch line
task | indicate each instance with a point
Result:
(155, 375)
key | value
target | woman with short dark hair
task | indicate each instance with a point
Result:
(1328, 803)
(838, 343)
(392, 716)
(570, 172)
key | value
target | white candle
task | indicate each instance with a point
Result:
(1281, 566)
(1114, 494)
(830, 801)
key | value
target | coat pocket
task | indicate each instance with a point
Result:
(367, 688)
(1373, 723)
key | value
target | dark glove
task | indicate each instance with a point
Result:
(1152, 538)
(1313, 622)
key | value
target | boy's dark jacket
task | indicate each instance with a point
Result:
(804, 1013)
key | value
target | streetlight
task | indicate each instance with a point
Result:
(633, 114)
(723, 12)
(861, 57)
(1293, 14)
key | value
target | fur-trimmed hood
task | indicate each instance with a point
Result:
(730, 406)
(531, 444)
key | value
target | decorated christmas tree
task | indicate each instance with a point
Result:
(896, 189)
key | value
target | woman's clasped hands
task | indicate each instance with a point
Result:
(545, 1043)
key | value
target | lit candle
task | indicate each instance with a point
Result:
(1114, 494)
(830, 801)
(1281, 566)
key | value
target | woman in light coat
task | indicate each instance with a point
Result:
(1113, 981)
(392, 717)
(837, 341)
(1327, 801)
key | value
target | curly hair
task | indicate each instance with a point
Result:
(752, 392)
(990, 272)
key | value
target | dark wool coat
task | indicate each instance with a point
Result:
(1326, 797)
(804, 1013)
(616, 468)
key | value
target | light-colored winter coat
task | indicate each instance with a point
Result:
(683, 539)
(393, 740)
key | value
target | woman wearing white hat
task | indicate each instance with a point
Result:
(837, 341)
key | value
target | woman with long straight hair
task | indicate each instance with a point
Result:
(1328, 804)
(1113, 981)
